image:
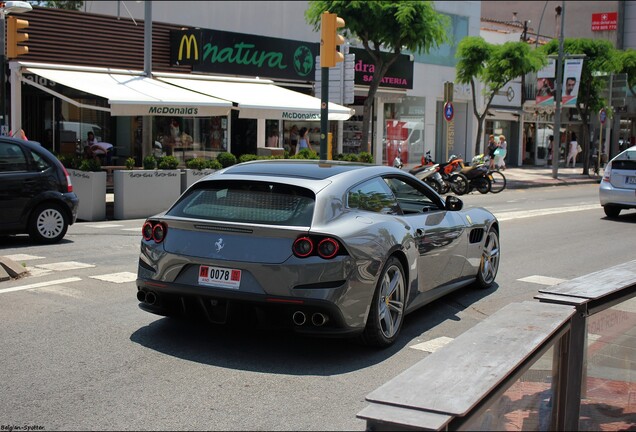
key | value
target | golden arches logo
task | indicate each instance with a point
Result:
(190, 43)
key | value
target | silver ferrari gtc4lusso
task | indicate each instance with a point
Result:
(323, 247)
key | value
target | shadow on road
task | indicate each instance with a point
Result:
(277, 351)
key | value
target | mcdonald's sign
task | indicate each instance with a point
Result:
(213, 51)
(188, 44)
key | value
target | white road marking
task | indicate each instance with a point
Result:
(543, 212)
(103, 225)
(35, 272)
(138, 229)
(433, 345)
(542, 280)
(23, 257)
(40, 285)
(122, 277)
(62, 266)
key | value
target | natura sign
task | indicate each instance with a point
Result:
(243, 54)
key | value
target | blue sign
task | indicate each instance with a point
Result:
(449, 111)
(602, 116)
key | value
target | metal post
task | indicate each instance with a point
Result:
(3, 79)
(324, 111)
(146, 140)
(556, 150)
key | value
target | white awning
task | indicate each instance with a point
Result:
(260, 99)
(132, 94)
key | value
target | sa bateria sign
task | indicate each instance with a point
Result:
(242, 54)
(399, 75)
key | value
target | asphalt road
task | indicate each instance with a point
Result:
(78, 354)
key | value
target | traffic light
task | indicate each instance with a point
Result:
(14, 37)
(330, 39)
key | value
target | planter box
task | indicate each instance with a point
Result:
(191, 176)
(90, 188)
(142, 193)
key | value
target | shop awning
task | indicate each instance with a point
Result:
(133, 94)
(258, 98)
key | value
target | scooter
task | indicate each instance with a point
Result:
(428, 172)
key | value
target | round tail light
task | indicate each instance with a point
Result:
(146, 231)
(303, 247)
(159, 233)
(328, 248)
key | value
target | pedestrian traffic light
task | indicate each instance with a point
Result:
(14, 37)
(330, 39)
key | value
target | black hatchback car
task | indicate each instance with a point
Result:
(36, 194)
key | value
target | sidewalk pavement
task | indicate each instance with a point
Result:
(531, 176)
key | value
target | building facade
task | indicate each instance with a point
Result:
(408, 112)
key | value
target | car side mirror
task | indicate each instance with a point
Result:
(453, 203)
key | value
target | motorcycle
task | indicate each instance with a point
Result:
(453, 179)
(428, 172)
(477, 176)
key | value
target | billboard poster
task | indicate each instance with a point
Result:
(545, 84)
(571, 81)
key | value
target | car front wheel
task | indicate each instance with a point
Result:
(490, 256)
(387, 310)
(48, 223)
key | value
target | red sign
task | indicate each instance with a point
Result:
(604, 21)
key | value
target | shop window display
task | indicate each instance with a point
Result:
(188, 138)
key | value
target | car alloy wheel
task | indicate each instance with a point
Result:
(48, 224)
(489, 260)
(387, 310)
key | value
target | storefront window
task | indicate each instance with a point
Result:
(404, 131)
(190, 137)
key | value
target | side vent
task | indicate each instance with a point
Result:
(476, 235)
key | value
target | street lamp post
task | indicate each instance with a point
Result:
(5, 9)
(556, 144)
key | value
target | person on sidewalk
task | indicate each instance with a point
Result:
(574, 150)
(490, 150)
(500, 153)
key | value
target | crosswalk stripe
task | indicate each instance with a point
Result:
(542, 280)
(40, 285)
(433, 344)
(122, 277)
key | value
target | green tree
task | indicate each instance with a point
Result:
(385, 29)
(494, 66)
(628, 66)
(600, 57)
(59, 4)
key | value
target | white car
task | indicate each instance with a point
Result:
(618, 187)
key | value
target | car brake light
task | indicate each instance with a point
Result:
(303, 247)
(607, 174)
(69, 185)
(155, 231)
(146, 231)
(326, 248)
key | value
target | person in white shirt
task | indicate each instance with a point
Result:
(573, 151)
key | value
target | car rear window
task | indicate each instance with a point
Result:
(247, 201)
(624, 165)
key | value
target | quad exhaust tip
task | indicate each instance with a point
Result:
(319, 319)
(299, 318)
(147, 297)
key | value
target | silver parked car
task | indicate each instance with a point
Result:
(618, 187)
(323, 247)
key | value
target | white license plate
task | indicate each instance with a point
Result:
(219, 277)
(631, 180)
